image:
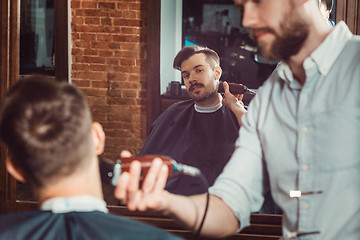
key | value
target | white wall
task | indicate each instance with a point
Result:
(170, 41)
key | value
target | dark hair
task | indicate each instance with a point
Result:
(187, 52)
(47, 128)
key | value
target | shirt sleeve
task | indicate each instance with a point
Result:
(241, 184)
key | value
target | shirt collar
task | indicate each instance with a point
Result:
(74, 204)
(321, 57)
(329, 50)
(208, 109)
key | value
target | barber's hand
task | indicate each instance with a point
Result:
(151, 195)
(234, 102)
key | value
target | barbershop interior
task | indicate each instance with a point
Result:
(120, 54)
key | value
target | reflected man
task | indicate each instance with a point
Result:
(201, 131)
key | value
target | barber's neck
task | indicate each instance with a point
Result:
(209, 102)
(317, 34)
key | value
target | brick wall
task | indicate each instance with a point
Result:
(108, 64)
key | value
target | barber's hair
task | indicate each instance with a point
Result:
(46, 126)
(187, 52)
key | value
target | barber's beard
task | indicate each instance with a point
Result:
(294, 32)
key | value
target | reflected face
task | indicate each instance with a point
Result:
(200, 78)
(275, 25)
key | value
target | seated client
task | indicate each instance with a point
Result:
(53, 145)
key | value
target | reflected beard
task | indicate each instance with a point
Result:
(204, 96)
(295, 32)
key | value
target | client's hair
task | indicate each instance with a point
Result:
(47, 128)
(187, 52)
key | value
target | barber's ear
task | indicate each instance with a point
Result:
(218, 72)
(14, 171)
(98, 137)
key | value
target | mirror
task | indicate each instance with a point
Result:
(192, 28)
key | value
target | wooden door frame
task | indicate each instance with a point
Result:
(9, 65)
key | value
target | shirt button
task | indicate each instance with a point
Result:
(305, 167)
(305, 206)
(304, 129)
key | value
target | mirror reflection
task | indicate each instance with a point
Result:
(217, 25)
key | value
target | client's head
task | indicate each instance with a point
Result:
(47, 128)
(211, 56)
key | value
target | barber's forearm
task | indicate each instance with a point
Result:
(220, 221)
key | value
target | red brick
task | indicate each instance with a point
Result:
(117, 76)
(135, 78)
(82, 44)
(112, 29)
(91, 52)
(75, 4)
(77, 51)
(127, 62)
(129, 93)
(130, 14)
(98, 67)
(126, 38)
(123, 6)
(128, 69)
(130, 30)
(105, 21)
(121, 101)
(92, 21)
(112, 61)
(135, 6)
(77, 20)
(88, 5)
(87, 36)
(91, 59)
(106, 53)
(94, 12)
(106, 5)
(87, 75)
(78, 66)
(99, 84)
(116, 14)
(104, 45)
(128, 22)
(103, 37)
(90, 28)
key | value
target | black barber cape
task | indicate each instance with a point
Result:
(93, 225)
(202, 140)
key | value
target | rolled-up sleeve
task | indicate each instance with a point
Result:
(240, 185)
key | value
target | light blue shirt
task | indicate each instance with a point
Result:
(303, 140)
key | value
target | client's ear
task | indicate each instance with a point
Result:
(218, 72)
(98, 137)
(14, 171)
